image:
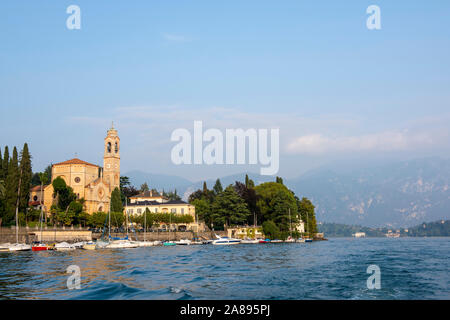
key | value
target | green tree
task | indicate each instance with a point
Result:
(271, 230)
(307, 214)
(217, 187)
(275, 202)
(2, 189)
(48, 171)
(229, 209)
(279, 180)
(5, 164)
(63, 192)
(203, 210)
(97, 219)
(12, 185)
(144, 187)
(26, 174)
(116, 201)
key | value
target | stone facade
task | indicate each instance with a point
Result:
(87, 180)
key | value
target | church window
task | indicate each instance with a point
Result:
(77, 179)
(116, 147)
(35, 198)
(100, 209)
(109, 147)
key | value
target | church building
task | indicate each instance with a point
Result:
(87, 180)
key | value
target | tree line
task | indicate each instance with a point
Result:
(271, 205)
(15, 182)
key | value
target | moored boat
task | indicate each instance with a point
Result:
(169, 243)
(19, 247)
(184, 242)
(4, 247)
(38, 246)
(89, 246)
(276, 241)
(122, 244)
(249, 241)
(145, 243)
(64, 246)
(225, 241)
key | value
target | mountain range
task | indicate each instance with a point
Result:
(398, 194)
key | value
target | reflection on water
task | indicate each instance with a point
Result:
(335, 269)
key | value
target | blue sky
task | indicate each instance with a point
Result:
(338, 91)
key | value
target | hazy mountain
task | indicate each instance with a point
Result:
(398, 194)
(158, 181)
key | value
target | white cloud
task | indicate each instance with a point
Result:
(386, 141)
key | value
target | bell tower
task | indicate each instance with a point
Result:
(111, 159)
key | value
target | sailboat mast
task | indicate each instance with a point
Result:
(290, 223)
(17, 206)
(42, 211)
(109, 221)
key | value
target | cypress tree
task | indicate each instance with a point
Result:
(12, 185)
(1, 165)
(116, 201)
(218, 187)
(25, 168)
(5, 163)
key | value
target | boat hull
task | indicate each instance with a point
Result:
(20, 247)
(39, 248)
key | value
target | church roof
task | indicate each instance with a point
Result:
(75, 161)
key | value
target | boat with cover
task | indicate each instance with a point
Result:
(184, 242)
(169, 243)
(122, 244)
(225, 241)
(64, 246)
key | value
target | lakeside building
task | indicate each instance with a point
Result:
(359, 235)
(87, 180)
(245, 232)
(160, 204)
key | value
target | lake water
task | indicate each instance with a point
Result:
(411, 268)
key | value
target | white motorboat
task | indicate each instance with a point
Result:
(89, 246)
(64, 246)
(145, 243)
(225, 241)
(19, 247)
(157, 243)
(4, 247)
(122, 244)
(79, 245)
(248, 241)
(276, 241)
(300, 240)
(100, 244)
(184, 242)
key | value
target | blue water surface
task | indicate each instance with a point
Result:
(411, 268)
